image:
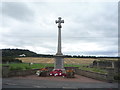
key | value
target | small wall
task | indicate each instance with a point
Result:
(106, 63)
(7, 73)
(21, 73)
(93, 75)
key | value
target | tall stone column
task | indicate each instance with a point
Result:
(59, 57)
(59, 52)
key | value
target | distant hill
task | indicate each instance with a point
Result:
(17, 53)
(21, 53)
(10, 55)
(27, 53)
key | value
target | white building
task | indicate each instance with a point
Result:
(22, 55)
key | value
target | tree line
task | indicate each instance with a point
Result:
(14, 53)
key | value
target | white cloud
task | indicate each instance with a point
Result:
(90, 28)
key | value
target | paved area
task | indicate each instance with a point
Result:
(34, 81)
(77, 78)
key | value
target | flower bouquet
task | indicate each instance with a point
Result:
(42, 72)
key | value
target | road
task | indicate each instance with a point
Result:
(55, 82)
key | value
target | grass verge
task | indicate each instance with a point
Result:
(27, 66)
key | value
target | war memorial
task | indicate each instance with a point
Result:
(59, 57)
(60, 77)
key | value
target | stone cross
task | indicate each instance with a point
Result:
(59, 21)
(59, 57)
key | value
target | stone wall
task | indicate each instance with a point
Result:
(21, 73)
(106, 77)
(94, 75)
(106, 63)
(7, 73)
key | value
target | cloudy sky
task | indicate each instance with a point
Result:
(90, 28)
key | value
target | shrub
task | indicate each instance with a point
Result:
(15, 68)
(27, 67)
(117, 76)
(10, 60)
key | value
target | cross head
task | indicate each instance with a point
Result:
(59, 21)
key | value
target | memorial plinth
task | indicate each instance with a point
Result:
(59, 57)
(59, 62)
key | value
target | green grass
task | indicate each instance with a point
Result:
(26, 66)
(71, 65)
(98, 70)
(19, 66)
(37, 66)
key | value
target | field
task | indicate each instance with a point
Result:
(49, 62)
(66, 60)
(27, 66)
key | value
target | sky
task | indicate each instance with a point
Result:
(89, 28)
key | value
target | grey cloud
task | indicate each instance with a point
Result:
(28, 38)
(18, 11)
(102, 22)
(82, 25)
(94, 53)
(102, 53)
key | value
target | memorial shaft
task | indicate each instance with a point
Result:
(59, 59)
(59, 52)
(59, 21)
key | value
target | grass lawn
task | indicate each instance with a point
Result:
(26, 66)
(98, 70)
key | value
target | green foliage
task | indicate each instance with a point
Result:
(71, 65)
(26, 66)
(16, 52)
(21, 66)
(10, 59)
(38, 66)
(15, 68)
(117, 76)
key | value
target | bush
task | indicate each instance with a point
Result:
(27, 67)
(15, 68)
(19, 66)
(10, 60)
(117, 77)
